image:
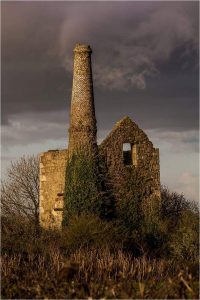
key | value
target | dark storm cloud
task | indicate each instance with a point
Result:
(144, 60)
(32, 77)
(51, 126)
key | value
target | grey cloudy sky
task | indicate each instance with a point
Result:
(145, 65)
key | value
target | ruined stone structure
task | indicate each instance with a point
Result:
(125, 151)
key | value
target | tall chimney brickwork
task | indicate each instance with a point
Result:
(83, 130)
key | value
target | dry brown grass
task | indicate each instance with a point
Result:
(94, 273)
(119, 264)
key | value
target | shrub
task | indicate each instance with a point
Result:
(153, 229)
(20, 236)
(17, 234)
(87, 230)
(184, 242)
(181, 218)
(174, 204)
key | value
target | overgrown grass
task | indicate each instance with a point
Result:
(138, 247)
(95, 258)
(57, 265)
(96, 273)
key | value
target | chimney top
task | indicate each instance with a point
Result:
(82, 48)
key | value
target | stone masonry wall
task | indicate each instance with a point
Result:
(52, 179)
(146, 168)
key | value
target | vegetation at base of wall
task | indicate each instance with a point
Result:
(91, 258)
(82, 192)
(148, 250)
(88, 230)
(140, 214)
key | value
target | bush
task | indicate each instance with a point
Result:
(88, 230)
(174, 204)
(184, 242)
(181, 218)
(153, 229)
(17, 234)
(23, 237)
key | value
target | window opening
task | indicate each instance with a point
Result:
(129, 154)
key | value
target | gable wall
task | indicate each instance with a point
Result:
(147, 169)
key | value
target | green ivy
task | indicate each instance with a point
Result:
(82, 188)
(129, 206)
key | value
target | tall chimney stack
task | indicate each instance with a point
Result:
(82, 131)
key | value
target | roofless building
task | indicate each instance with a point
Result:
(125, 152)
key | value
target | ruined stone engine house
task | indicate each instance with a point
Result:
(126, 148)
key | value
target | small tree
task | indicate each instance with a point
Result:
(173, 205)
(20, 190)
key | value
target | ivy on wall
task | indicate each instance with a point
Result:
(82, 188)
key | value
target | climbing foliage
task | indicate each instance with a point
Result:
(132, 209)
(82, 187)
